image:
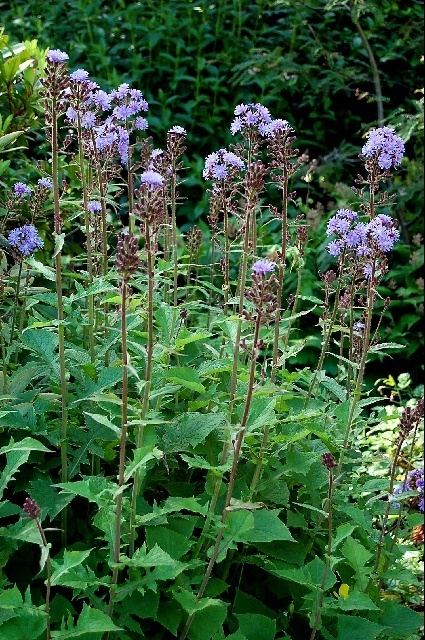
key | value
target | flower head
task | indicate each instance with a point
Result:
(253, 116)
(31, 508)
(386, 146)
(180, 131)
(94, 206)
(80, 75)
(263, 266)
(45, 183)
(152, 179)
(220, 164)
(414, 482)
(22, 190)
(56, 56)
(25, 240)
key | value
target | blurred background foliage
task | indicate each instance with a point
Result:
(330, 67)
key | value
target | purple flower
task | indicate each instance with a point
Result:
(358, 326)
(340, 223)
(122, 92)
(218, 164)
(56, 56)
(141, 124)
(363, 251)
(123, 144)
(152, 179)
(25, 240)
(368, 270)
(88, 120)
(384, 145)
(45, 183)
(383, 231)
(80, 75)
(178, 130)
(263, 266)
(106, 137)
(253, 116)
(415, 482)
(335, 248)
(22, 190)
(100, 99)
(276, 126)
(71, 114)
(94, 206)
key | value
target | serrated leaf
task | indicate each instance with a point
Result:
(254, 626)
(399, 620)
(190, 430)
(59, 242)
(90, 621)
(355, 628)
(187, 378)
(70, 560)
(27, 444)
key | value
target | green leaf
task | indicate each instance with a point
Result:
(14, 460)
(166, 568)
(343, 531)
(190, 430)
(104, 421)
(356, 601)
(44, 344)
(311, 575)
(187, 378)
(70, 560)
(356, 554)
(384, 346)
(27, 623)
(268, 527)
(355, 628)
(8, 138)
(141, 457)
(94, 488)
(59, 242)
(255, 626)
(90, 621)
(172, 542)
(399, 620)
(27, 444)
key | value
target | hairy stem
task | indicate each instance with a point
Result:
(148, 382)
(48, 576)
(280, 275)
(59, 295)
(90, 299)
(321, 596)
(123, 442)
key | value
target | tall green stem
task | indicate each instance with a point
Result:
(15, 306)
(123, 442)
(59, 295)
(174, 235)
(90, 299)
(148, 381)
(48, 576)
(321, 595)
(281, 274)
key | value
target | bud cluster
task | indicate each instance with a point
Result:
(127, 260)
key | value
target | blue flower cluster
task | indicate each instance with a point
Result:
(379, 235)
(25, 240)
(262, 267)
(384, 145)
(222, 164)
(414, 482)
